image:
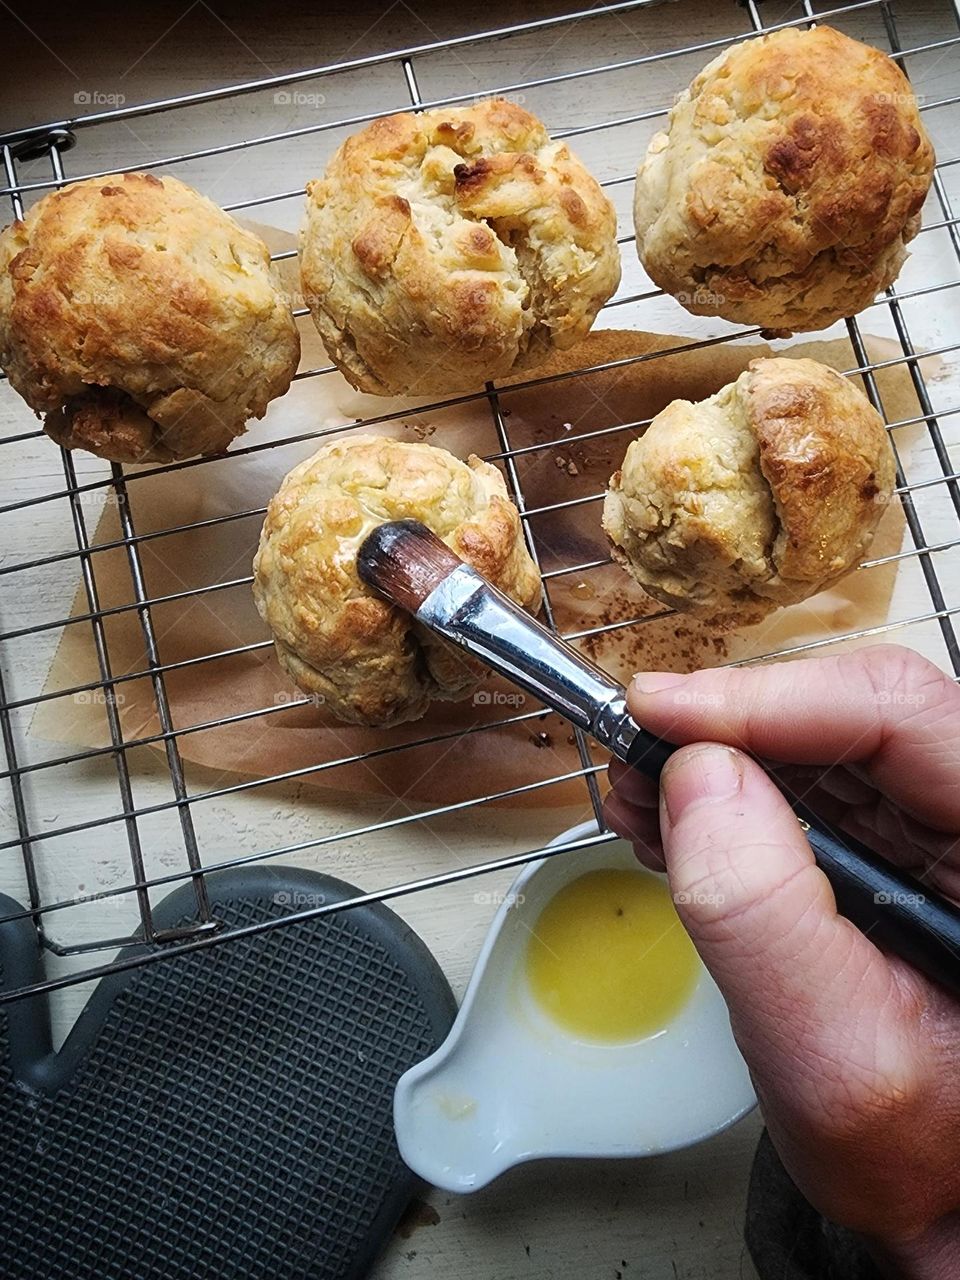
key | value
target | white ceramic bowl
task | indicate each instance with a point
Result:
(510, 1085)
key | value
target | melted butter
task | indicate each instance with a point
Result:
(608, 959)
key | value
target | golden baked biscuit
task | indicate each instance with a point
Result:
(141, 319)
(789, 179)
(367, 661)
(760, 496)
(444, 249)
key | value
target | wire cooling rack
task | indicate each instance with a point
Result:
(57, 508)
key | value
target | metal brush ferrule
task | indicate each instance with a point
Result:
(468, 611)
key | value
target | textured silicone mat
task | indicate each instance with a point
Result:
(225, 1115)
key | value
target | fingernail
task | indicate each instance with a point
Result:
(704, 775)
(657, 681)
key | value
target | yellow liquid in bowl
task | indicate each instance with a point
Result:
(609, 959)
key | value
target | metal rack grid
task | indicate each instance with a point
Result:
(52, 141)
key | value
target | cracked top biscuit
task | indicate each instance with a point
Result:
(141, 319)
(787, 183)
(444, 249)
(365, 660)
(760, 496)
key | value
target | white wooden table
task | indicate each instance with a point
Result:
(677, 1217)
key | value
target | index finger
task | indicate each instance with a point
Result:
(884, 707)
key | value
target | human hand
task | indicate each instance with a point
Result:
(855, 1056)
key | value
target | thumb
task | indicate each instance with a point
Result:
(812, 1001)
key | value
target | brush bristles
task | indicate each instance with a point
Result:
(403, 561)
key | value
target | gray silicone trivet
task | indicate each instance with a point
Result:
(223, 1115)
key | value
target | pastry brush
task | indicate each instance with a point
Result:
(406, 563)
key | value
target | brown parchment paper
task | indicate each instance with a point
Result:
(450, 764)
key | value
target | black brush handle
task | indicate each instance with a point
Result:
(893, 909)
(649, 754)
